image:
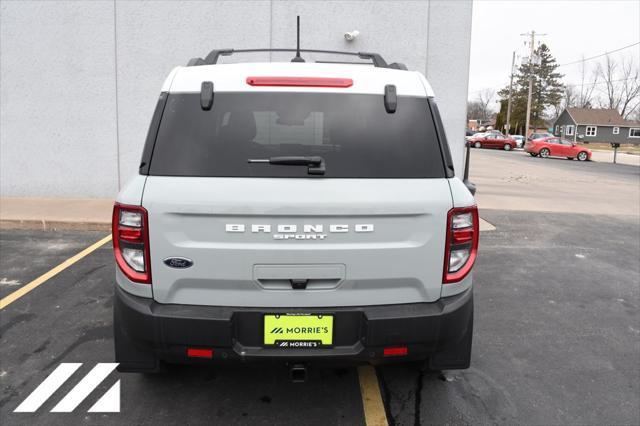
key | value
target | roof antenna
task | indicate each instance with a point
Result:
(298, 58)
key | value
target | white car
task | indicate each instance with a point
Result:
(520, 140)
(476, 135)
(294, 212)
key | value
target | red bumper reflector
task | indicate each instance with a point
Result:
(199, 353)
(300, 81)
(396, 351)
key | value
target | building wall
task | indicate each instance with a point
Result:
(564, 119)
(605, 134)
(79, 80)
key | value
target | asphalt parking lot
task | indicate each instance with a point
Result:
(557, 324)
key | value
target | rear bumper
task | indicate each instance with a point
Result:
(147, 332)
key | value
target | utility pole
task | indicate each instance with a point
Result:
(513, 62)
(532, 34)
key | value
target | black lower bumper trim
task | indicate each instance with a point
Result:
(147, 332)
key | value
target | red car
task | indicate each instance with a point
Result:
(557, 147)
(493, 140)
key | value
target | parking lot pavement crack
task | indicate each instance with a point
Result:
(96, 333)
(418, 399)
(87, 273)
(386, 397)
(14, 321)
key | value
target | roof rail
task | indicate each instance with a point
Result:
(213, 56)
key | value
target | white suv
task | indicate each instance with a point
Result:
(299, 212)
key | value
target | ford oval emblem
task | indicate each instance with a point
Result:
(178, 262)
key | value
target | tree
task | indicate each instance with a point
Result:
(547, 86)
(630, 99)
(546, 95)
(621, 83)
(585, 97)
(485, 97)
(621, 86)
(607, 72)
(474, 110)
(481, 108)
(578, 95)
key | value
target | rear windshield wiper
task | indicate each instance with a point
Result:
(315, 163)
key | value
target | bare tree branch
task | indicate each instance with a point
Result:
(611, 91)
(585, 99)
(474, 110)
(630, 88)
(485, 97)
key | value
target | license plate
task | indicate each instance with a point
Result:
(298, 330)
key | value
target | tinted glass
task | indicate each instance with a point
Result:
(353, 133)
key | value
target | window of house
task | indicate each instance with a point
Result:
(569, 130)
(591, 131)
(616, 130)
(634, 132)
(557, 129)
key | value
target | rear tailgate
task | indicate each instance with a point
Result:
(366, 241)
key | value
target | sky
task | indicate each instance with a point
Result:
(574, 29)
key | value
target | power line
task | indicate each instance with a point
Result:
(572, 84)
(599, 56)
(600, 82)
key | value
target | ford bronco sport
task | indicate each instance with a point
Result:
(296, 212)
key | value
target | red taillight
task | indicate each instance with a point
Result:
(396, 351)
(462, 236)
(133, 235)
(300, 81)
(130, 232)
(199, 353)
(463, 231)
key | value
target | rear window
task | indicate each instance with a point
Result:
(354, 134)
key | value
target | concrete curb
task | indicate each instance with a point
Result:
(486, 226)
(52, 225)
(46, 214)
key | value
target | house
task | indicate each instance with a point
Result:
(596, 125)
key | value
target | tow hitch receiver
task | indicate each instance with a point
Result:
(298, 373)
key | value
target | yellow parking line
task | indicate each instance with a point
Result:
(374, 413)
(6, 301)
